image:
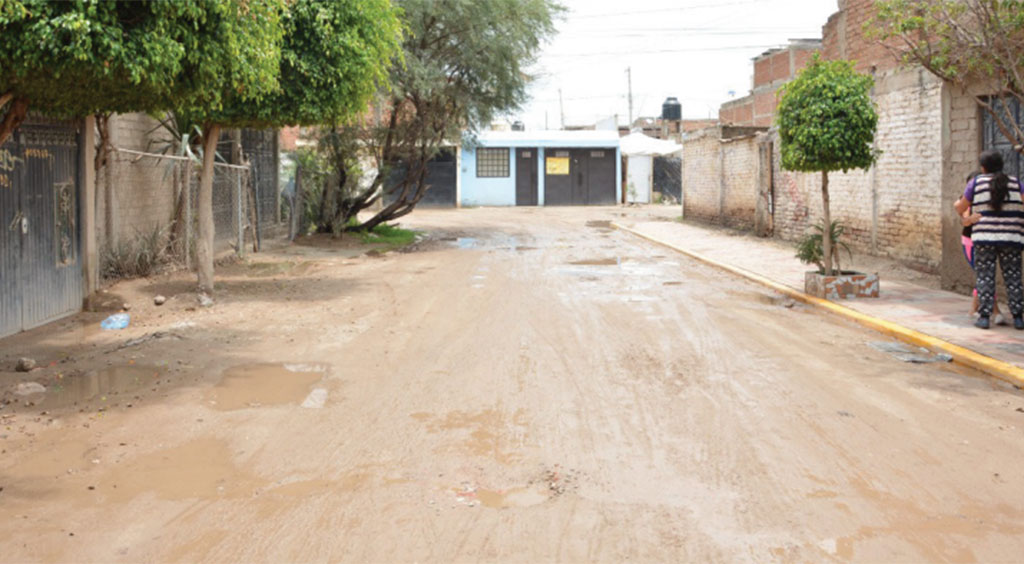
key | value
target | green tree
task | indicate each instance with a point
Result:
(330, 56)
(976, 44)
(464, 64)
(77, 58)
(827, 123)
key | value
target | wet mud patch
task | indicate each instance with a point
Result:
(107, 387)
(604, 226)
(263, 385)
(612, 261)
(199, 469)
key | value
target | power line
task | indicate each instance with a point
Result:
(663, 10)
(660, 51)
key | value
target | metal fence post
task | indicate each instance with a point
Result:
(188, 215)
(238, 212)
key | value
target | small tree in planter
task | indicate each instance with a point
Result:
(827, 123)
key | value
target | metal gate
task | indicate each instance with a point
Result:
(579, 177)
(40, 259)
(994, 139)
(668, 178)
(260, 147)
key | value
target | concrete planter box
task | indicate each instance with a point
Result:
(842, 286)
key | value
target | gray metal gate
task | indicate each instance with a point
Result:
(40, 259)
(994, 139)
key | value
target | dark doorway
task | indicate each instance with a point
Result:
(526, 177)
(994, 138)
(579, 177)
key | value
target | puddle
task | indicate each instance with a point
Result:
(519, 497)
(522, 249)
(104, 386)
(602, 225)
(598, 262)
(673, 283)
(202, 469)
(466, 242)
(259, 385)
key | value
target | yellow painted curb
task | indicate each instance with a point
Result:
(993, 367)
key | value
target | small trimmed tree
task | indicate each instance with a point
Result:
(970, 43)
(827, 123)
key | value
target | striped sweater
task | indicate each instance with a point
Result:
(1005, 227)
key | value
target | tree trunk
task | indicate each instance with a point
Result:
(826, 235)
(204, 242)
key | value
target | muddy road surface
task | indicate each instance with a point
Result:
(523, 385)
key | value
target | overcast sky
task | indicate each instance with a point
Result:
(699, 51)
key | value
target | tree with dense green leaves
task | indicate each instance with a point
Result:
(71, 59)
(333, 55)
(827, 123)
(464, 64)
(977, 44)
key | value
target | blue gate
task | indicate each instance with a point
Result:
(40, 229)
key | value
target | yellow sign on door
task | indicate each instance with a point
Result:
(557, 165)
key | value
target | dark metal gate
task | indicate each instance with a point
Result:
(668, 178)
(579, 177)
(994, 139)
(40, 259)
(442, 172)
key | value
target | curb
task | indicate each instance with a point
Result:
(963, 356)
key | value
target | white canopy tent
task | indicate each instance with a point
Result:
(640, 150)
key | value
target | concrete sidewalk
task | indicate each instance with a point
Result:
(937, 313)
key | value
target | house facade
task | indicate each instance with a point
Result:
(538, 168)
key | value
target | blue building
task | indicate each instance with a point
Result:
(538, 168)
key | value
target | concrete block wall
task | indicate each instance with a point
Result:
(143, 188)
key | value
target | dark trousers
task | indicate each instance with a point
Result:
(985, 258)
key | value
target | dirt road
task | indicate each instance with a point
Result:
(526, 385)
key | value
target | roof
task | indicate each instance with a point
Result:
(541, 138)
(637, 143)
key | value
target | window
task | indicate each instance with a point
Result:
(994, 139)
(492, 163)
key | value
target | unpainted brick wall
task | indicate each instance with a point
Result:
(720, 178)
(702, 173)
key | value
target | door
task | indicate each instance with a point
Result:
(41, 277)
(526, 177)
(599, 176)
(558, 177)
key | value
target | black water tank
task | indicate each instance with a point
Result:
(518, 126)
(672, 109)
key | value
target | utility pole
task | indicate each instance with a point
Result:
(561, 107)
(629, 80)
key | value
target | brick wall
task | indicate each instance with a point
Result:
(719, 178)
(843, 38)
(739, 185)
(702, 174)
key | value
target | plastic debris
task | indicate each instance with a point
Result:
(116, 322)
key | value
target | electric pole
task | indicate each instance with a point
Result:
(629, 80)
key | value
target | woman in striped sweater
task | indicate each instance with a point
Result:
(998, 236)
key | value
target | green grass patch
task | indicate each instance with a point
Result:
(388, 235)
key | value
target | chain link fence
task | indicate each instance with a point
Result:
(668, 179)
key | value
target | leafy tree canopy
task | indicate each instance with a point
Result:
(827, 119)
(98, 56)
(334, 55)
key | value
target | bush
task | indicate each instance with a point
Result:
(810, 249)
(138, 256)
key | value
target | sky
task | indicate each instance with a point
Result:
(699, 51)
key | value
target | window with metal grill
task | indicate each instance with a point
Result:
(492, 163)
(994, 138)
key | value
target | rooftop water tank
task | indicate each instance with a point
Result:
(672, 109)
